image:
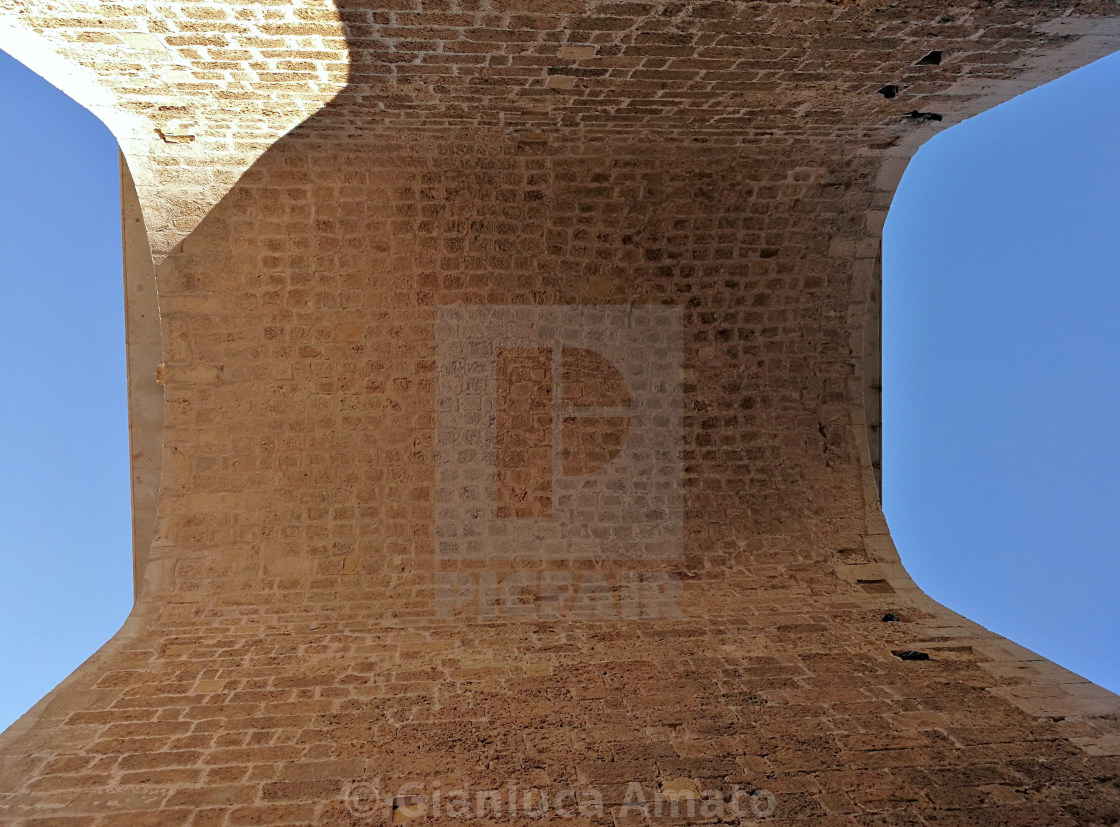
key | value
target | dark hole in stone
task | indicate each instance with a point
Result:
(924, 116)
(876, 586)
(890, 91)
(932, 59)
(769, 252)
(854, 555)
(891, 617)
(910, 654)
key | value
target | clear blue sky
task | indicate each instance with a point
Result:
(66, 545)
(1001, 368)
(1001, 383)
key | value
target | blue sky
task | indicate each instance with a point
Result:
(66, 545)
(1002, 370)
(1001, 378)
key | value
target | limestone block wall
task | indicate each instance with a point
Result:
(305, 624)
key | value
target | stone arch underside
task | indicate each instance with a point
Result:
(315, 182)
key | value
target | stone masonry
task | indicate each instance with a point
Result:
(504, 405)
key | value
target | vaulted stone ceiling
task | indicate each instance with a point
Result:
(350, 202)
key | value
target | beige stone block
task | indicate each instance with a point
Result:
(679, 789)
(560, 82)
(348, 332)
(576, 52)
(1102, 745)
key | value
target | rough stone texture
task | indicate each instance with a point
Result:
(735, 160)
